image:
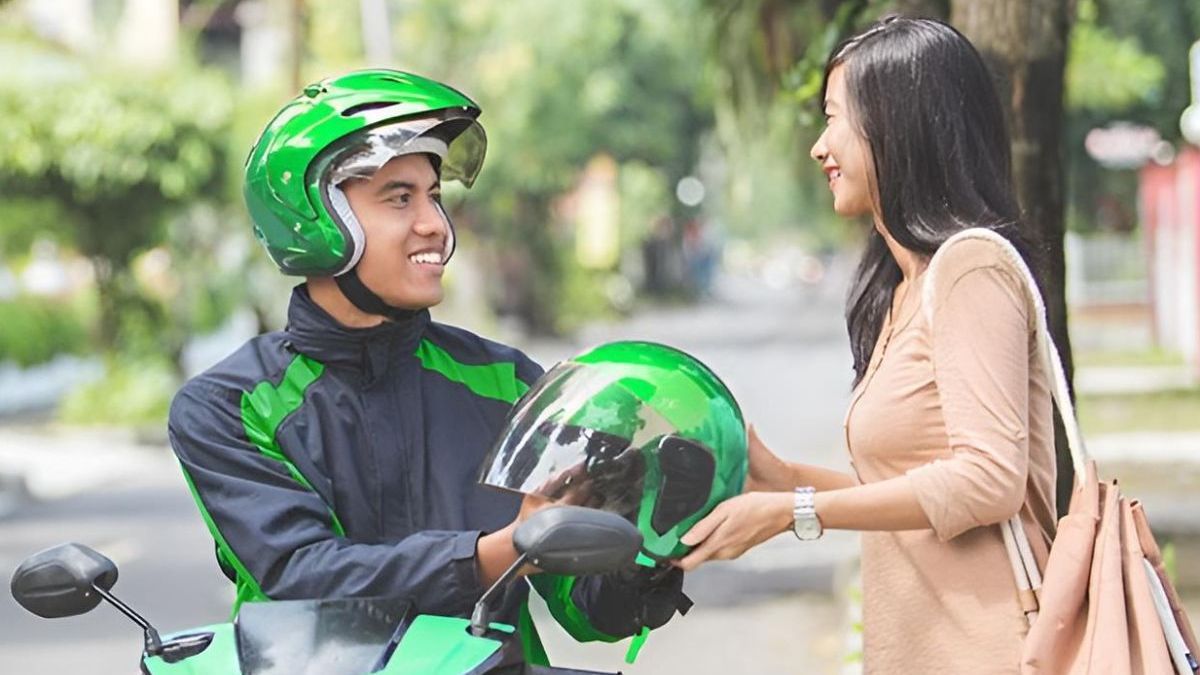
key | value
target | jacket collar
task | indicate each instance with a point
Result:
(316, 334)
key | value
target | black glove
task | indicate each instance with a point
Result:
(621, 603)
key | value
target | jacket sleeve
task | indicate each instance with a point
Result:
(279, 535)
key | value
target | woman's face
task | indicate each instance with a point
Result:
(843, 152)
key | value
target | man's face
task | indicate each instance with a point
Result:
(406, 231)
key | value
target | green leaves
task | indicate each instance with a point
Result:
(1109, 73)
(35, 331)
(101, 159)
(101, 136)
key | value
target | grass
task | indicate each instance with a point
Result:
(1131, 358)
(1177, 410)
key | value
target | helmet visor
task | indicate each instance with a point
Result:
(579, 437)
(457, 140)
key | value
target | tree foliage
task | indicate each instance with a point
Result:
(116, 156)
(1107, 72)
(612, 78)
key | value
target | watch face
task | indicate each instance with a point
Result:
(808, 529)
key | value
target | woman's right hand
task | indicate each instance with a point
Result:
(768, 473)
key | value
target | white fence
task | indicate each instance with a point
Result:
(1106, 269)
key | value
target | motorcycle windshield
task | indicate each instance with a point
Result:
(345, 636)
(580, 436)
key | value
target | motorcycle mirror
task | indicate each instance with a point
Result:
(574, 540)
(62, 581)
(567, 540)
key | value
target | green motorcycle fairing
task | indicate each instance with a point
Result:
(442, 645)
(432, 645)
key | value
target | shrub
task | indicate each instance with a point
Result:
(34, 330)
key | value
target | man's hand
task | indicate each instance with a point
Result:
(736, 526)
(495, 551)
(623, 603)
(570, 487)
(531, 504)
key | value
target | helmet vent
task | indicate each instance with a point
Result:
(365, 107)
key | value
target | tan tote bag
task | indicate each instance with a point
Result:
(1104, 603)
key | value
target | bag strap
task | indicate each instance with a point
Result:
(1016, 542)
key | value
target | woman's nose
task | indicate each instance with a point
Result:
(819, 151)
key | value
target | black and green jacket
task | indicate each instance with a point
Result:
(329, 462)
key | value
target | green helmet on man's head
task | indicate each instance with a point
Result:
(345, 127)
(637, 428)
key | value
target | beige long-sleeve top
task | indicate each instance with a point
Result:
(963, 409)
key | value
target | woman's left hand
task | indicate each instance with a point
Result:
(737, 525)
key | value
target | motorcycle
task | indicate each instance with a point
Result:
(343, 636)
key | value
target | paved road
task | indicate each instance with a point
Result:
(782, 353)
(145, 521)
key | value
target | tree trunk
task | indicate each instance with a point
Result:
(376, 32)
(298, 30)
(109, 301)
(1025, 43)
(922, 9)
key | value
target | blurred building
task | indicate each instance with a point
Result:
(1169, 204)
(144, 33)
(251, 39)
(1169, 198)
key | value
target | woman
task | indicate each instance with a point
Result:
(949, 428)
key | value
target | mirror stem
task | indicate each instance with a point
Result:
(480, 618)
(153, 642)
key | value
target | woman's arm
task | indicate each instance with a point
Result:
(769, 473)
(888, 505)
(981, 351)
(741, 523)
(819, 477)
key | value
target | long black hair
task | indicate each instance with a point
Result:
(922, 97)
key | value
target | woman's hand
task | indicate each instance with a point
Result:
(736, 526)
(768, 473)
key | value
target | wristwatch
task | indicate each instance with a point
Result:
(805, 523)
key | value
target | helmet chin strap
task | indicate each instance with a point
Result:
(366, 300)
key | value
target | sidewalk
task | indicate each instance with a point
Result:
(1161, 468)
(47, 463)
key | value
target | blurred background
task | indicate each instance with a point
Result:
(647, 177)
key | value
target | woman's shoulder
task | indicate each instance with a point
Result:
(973, 249)
(985, 257)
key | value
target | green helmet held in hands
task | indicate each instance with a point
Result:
(636, 428)
(347, 127)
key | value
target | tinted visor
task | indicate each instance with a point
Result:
(456, 140)
(581, 437)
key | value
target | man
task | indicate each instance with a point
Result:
(340, 456)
